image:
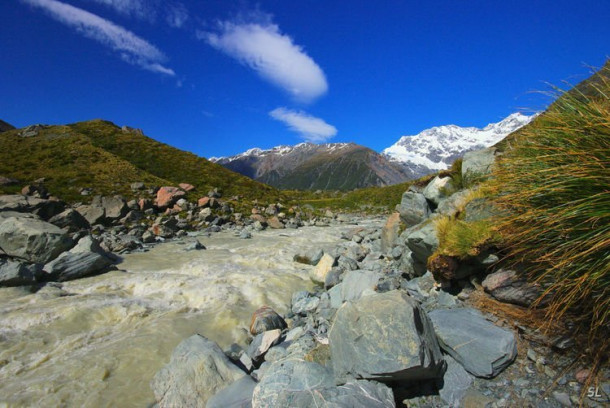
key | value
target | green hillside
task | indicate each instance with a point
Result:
(99, 155)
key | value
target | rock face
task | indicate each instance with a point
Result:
(70, 220)
(482, 348)
(265, 318)
(32, 240)
(422, 242)
(413, 208)
(438, 189)
(385, 337)
(198, 369)
(299, 384)
(236, 395)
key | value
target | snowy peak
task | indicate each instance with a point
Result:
(283, 150)
(436, 148)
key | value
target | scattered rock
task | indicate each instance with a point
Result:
(413, 208)
(438, 189)
(455, 383)
(508, 287)
(198, 369)
(310, 258)
(167, 196)
(186, 187)
(482, 348)
(390, 232)
(71, 220)
(14, 273)
(263, 342)
(359, 283)
(318, 274)
(68, 265)
(302, 302)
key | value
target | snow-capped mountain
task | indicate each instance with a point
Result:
(330, 166)
(436, 148)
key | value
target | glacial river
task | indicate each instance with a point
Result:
(99, 342)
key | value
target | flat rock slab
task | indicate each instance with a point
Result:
(385, 337)
(69, 265)
(297, 383)
(481, 347)
(198, 369)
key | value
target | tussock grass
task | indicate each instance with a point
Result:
(463, 239)
(554, 182)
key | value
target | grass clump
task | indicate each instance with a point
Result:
(462, 239)
(553, 181)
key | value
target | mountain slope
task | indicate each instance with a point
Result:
(5, 126)
(99, 155)
(308, 166)
(436, 148)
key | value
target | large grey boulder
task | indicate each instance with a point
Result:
(413, 208)
(114, 207)
(14, 273)
(265, 318)
(476, 165)
(93, 214)
(71, 220)
(311, 257)
(297, 383)
(359, 283)
(482, 348)
(236, 395)
(319, 272)
(198, 369)
(69, 265)
(422, 242)
(44, 208)
(450, 205)
(385, 337)
(32, 239)
(439, 188)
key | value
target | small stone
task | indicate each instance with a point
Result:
(563, 398)
(582, 375)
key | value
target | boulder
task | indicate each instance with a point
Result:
(422, 242)
(390, 232)
(312, 257)
(31, 239)
(236, 395)
(45, 209)
(167, 196)
(137, 186)
(359, 283)
(297, 383)
(384, 337)
(198, 369)
(69, 265)
(203, 202)
(413, 208)
(114, 207)
(480, 209)
(93, 214)
(7, 181)
(263, 342)
(482, 348)
(71, 220)
(438, 189)
(275, 223)
(303, 302)
(326, 263)
(506, 286)
(476, 165)
(265, 318)
(450, 205)
(186, 186)
(14, 273)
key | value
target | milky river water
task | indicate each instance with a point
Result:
(99, 342)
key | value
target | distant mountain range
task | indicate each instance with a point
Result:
(346, 166)
(308, 166)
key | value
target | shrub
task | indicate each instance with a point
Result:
(554, 182)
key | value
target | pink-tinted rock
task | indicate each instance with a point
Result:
(203, 202)
(186, 186)
(259, 218)
(144, 204)
(582, 375)
(275, 223)
(391, 231)
(167, 196)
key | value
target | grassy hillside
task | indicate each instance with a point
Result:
(99, 155)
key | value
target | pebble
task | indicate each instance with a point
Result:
(563, 398)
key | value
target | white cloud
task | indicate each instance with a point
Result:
(177, 15)
(131, 48)
(273, 55)
(133, 8)
(310, 128)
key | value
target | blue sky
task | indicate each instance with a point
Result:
(217, 77)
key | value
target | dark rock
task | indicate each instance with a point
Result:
(71, 220)
(482, 348)
(508, 287)
(236, 395)
(455, 383)
(14, 273)
(413, 208)
(263, 342)
(385, 337)
(31, 239)
(333, 277)
(7, 181)
(264, 319)
(194, 246)
(38, 191)
(68, 265)
(198, 369)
